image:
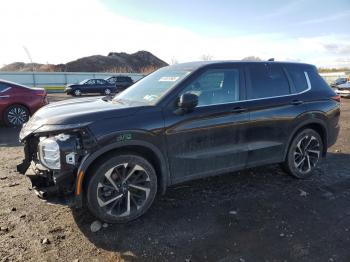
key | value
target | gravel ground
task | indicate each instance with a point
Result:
(260, 214)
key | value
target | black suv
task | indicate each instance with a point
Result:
(121, 82)
(179, 123)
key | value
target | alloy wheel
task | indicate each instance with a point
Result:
(123, 190)
(17, 116)
(107, 91)
(77, 92)
(307, 153)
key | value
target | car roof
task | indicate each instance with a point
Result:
(13, 83)
(191, 66)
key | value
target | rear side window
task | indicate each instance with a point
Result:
(267, 80)
(297, 74)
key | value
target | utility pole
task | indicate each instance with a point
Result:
(31, 61)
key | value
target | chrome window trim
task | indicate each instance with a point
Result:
(6, 89)
(255, 99)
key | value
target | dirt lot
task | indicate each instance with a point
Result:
(260, 214)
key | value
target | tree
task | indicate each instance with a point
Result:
(206, 57)
(252, 58)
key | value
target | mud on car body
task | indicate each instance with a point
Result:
(179, 123)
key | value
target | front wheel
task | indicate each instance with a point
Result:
(304, 154)
(122, 188)
(107, 91)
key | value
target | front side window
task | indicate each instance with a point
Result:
(267, 80)
(3, 87)
(215, 86)
(150, 89)
(297, 74)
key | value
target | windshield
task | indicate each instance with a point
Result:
(84, 81)
(153, 87)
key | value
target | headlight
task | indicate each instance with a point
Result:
(49, 153)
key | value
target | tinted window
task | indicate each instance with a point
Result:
(297, 74)
(267, 80)
(3, 86)
(215, 86)
(100, 82)
(91, 82)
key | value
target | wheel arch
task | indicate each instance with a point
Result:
(316, 124)
(14, 104)
(141, 148)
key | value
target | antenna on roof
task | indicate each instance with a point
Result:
(271, 59)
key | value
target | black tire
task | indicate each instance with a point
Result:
(76, 92)
(107, 91)
(16, 115)
(304, 154)
(125, 189)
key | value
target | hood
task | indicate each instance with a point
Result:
(346, 85)
(77, 111)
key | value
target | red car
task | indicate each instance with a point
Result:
(18, 102)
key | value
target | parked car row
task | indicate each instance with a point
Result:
(342, 86)
(113, 84)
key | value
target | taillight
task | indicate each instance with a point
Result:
(336, 98)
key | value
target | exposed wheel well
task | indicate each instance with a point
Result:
(144, 152)
(320, 129)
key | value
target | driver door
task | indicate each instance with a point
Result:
(212, 138)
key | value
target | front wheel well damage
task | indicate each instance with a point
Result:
(141, 151)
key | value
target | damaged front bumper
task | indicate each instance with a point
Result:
(55, 186)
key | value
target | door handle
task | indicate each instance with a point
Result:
(297, 102)
(238, 110)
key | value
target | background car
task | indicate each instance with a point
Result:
(343, 90)
(121, 82)
(18, 102)
(339, 81)
(90, 86)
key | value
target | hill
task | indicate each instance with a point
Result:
(139, 62)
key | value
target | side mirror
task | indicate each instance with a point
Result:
(187, 102)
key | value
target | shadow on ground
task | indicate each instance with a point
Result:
(9, 136)
(256, 215)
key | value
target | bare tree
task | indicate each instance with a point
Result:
(206, 57)
(252, 58)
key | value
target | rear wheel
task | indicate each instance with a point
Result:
(304, 154)
(16, 115)
(122, 188)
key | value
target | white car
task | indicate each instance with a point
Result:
(343, 90)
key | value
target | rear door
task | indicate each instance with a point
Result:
(272, 110)
(212, 138)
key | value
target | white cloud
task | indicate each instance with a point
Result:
(60, 31)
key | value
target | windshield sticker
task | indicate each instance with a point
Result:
(168, 78)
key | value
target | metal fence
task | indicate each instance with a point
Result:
(57, 79)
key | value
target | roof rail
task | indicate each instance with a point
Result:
(271, 59)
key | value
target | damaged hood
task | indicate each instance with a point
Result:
(77, 112)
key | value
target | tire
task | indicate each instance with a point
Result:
(16, 115)
(77, 92)
(304, 154)
(107, 91)
(121, 188)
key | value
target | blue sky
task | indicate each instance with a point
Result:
(59, 31)
(294, 18)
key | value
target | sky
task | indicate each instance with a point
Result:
(59, 31)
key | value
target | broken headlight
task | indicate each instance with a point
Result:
(49, 153)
